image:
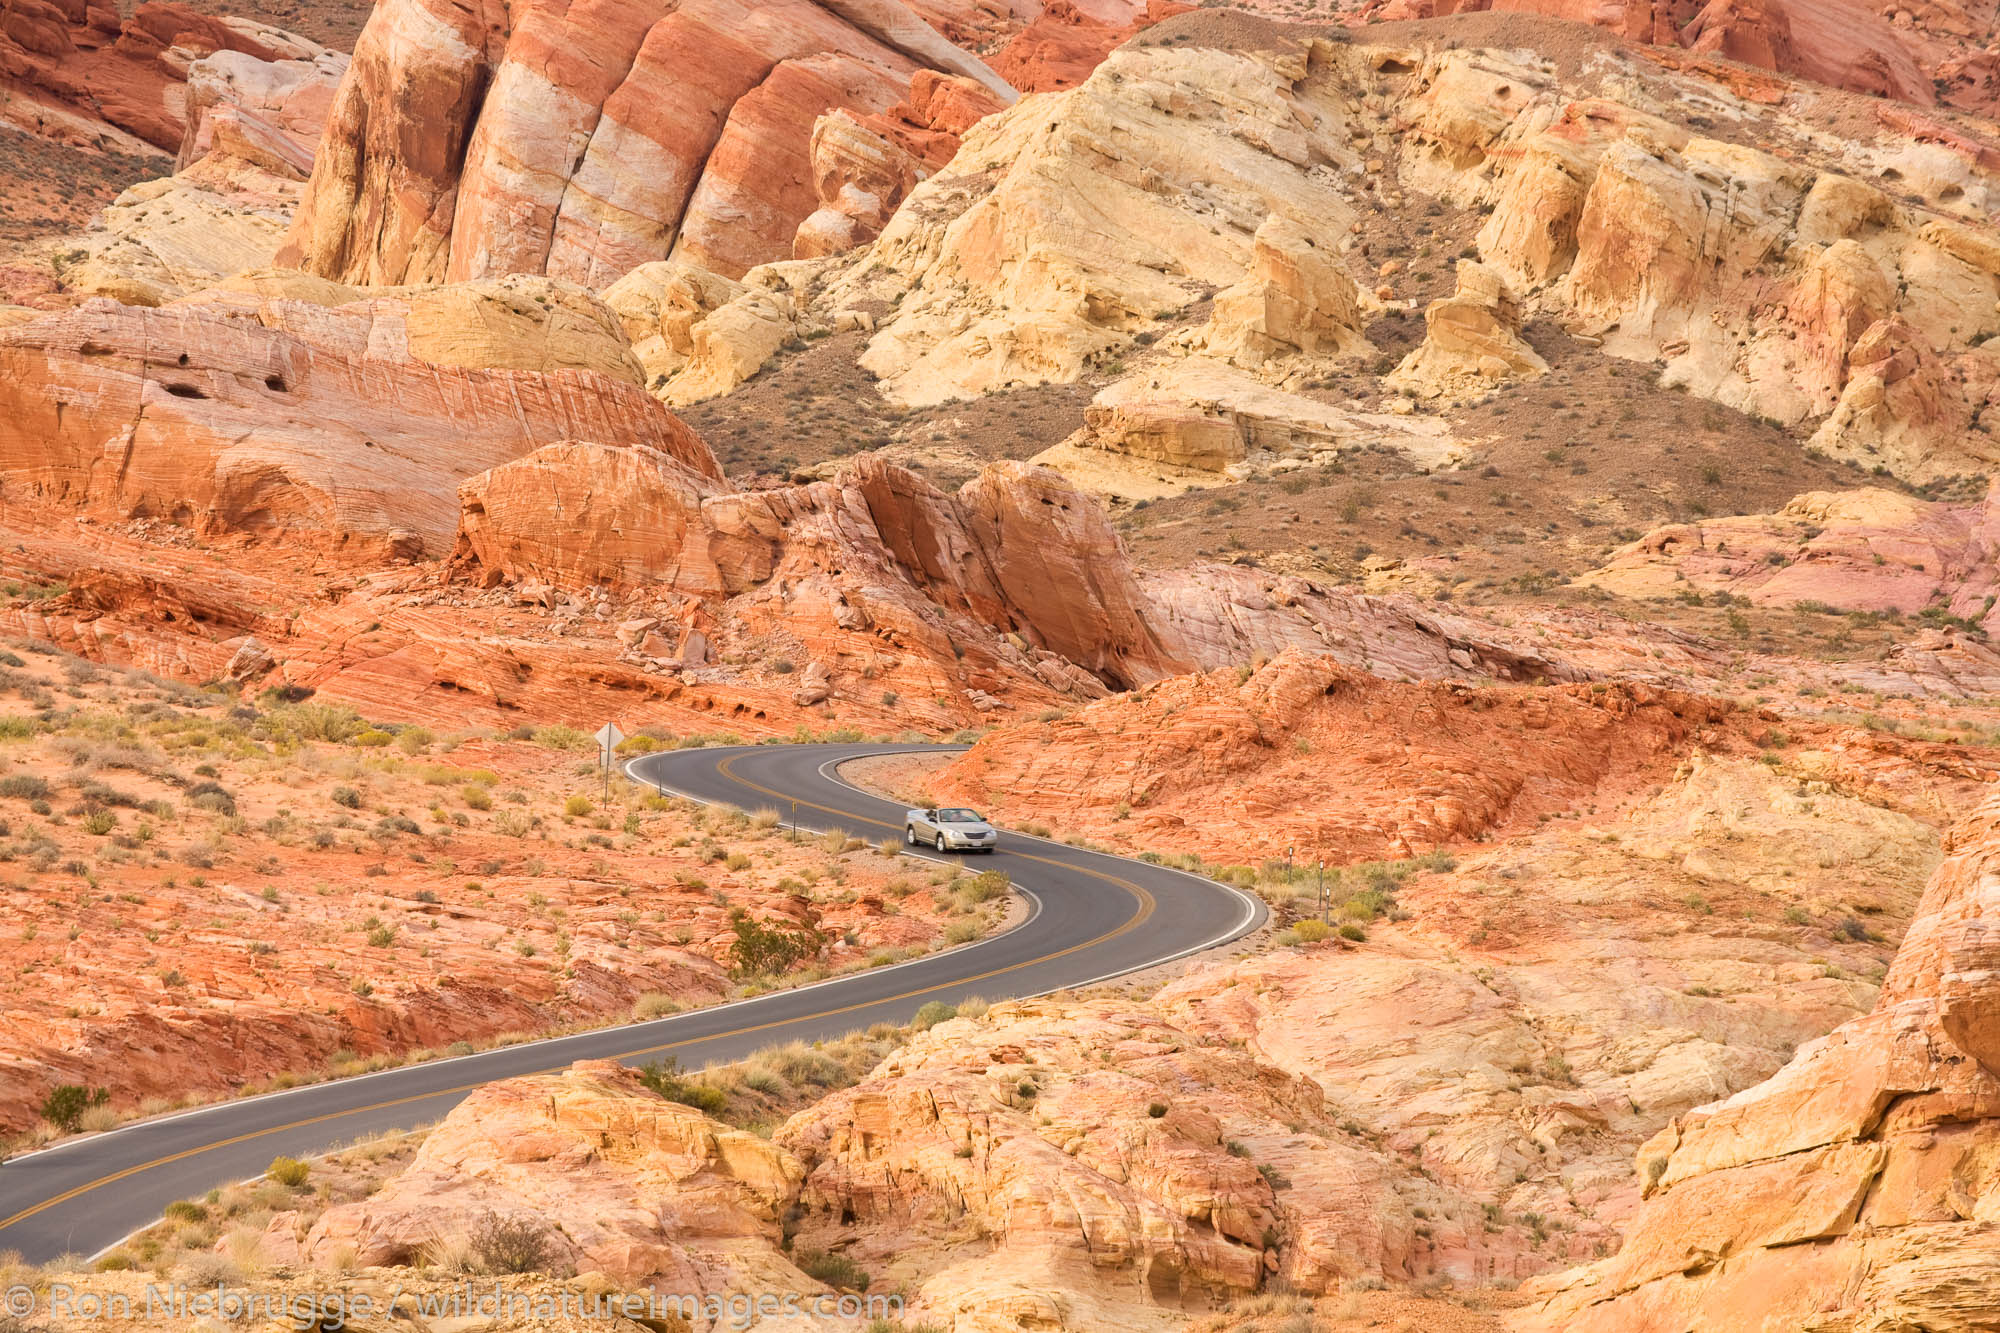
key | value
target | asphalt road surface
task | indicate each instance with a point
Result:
(1093, 917)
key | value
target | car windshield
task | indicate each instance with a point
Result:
(959, 817)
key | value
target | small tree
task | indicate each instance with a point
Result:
(66, 1103)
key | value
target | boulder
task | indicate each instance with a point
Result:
(1472, 340)
(1297, 297)
(859, 176)
(618, 1180)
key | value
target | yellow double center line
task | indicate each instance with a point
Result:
(1144, 900)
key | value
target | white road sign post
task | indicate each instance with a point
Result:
(608, 739)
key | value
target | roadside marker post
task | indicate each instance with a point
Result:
(608, 740)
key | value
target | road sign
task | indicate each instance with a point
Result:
(608, 737)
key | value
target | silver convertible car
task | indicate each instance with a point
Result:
(949, 830)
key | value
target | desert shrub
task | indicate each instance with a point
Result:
(477, 797)
(932, 1014)
(373, 738)
(66, 1102)
(653, 1004)
(559, 737)
(414, 740)
(509, 1244)
(578, 806)
(1312, 930)
(24, 787)
(211, 796)
(984, 886)
(99, 822)
(311, 722)
(288, 1171)
(761, 949)
(836, 1270)
(665, 1077)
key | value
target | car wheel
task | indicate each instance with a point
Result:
(940, 842)
(910, 835)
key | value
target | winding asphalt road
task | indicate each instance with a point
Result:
(1093, 917)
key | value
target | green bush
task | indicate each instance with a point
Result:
(66, 1103)
(761, 950)
(932, 1014)
(1312, 930)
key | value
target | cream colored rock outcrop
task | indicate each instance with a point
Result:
(619, 1180)
(1851, 1191)
(1068, 223)
(1195, 421)
(1472, 340)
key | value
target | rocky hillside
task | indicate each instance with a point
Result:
(1508, 483)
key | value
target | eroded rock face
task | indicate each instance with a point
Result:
(356, 420)
(1167, 756)
(250, 128)
(1106, 1162)
(1867, 550)
(1059, 234)
(1067, 233)
(1297, 297)
(1918, 53)
(78, 73)
(1851, 1190)
(621, 1181)
(473, 143)
(876, 551)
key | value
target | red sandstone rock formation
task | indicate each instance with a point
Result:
(470, 144)
(355, 421)
(92, 69)
(1060, 48)
(1309, 752)
(877, 552)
